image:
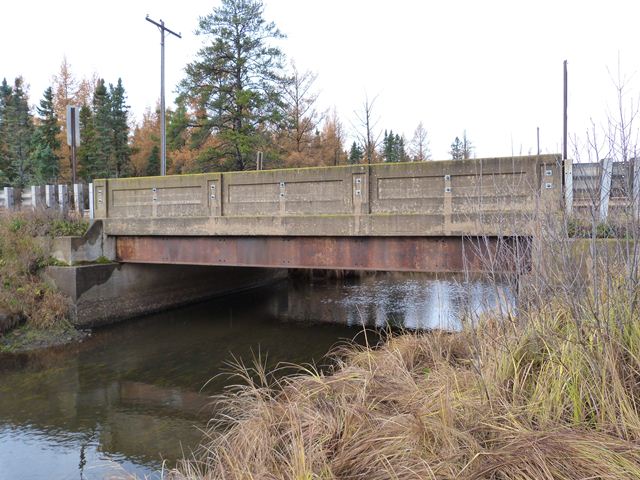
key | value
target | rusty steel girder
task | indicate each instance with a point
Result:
(408, 254)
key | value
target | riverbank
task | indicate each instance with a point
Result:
(35, 313)
(556, 400)
(550, 393)
(26, 338)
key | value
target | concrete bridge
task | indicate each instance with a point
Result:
(421, 216)
(181, 239)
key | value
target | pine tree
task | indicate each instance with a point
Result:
(461, 149)
(17, 130)
(46, 142)
(177, 126)
(153, 162)
(457, 151)
(5, 96)
(100, 165)
(235, 79)
(355, 154)
(119, 148)
(393, 147)
(86, 155)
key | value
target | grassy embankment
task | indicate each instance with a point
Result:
(552, 393)
(41, 311)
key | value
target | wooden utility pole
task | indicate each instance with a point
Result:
(163, 134)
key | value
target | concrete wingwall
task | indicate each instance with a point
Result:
(493, 196)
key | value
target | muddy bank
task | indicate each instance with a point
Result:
(24, 338)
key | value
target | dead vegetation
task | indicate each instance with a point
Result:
(25, 243)
(548, 391)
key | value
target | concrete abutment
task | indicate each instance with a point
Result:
(106, 293)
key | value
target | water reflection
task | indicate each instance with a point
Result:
(134, 394)
(397, 300)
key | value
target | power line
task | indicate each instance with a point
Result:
(163, 137)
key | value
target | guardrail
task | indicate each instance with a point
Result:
(605, 187)
(76, 198)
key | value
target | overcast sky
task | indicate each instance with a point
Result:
(491, 68)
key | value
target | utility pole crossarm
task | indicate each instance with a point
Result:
(161, 26)
(163, 137)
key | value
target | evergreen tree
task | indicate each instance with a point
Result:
(119, 149)
(17, 130)
(461, 149)
(235, 79)
(457, 151)
(393, 147)
(100, 162)
(177, 126)
(153, 162)
(5, 96)
(86, 154)
(45, 141)
(355, 154)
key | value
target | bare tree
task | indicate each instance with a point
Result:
(366, 128)
(420, 144)
(302, 119)
(467, 146)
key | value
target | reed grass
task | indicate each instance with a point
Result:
(549, 391)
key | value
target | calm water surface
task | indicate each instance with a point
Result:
(137, 394)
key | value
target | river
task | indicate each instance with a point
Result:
(137, 394)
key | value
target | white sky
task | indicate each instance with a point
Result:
(492, 68)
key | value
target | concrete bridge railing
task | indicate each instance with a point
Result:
(493, 196)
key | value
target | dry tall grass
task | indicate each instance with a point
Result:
(24, 251)
(550, 393)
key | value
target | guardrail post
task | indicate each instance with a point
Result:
(9, 201)
(568, 186)
(635, 187)
(92, 211)
(63, 198)
(78, 198)
(605, 187)
(50, 196)
(35, 193)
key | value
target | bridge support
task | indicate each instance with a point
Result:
(409, 254)
(106, 293)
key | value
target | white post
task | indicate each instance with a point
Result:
(92, 212)
(63, 198)
(568, 186)
(78, 198)
(50, 195)
(8, 198)
(34, 197)
(605, 187)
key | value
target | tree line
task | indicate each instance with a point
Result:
(239, 96)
